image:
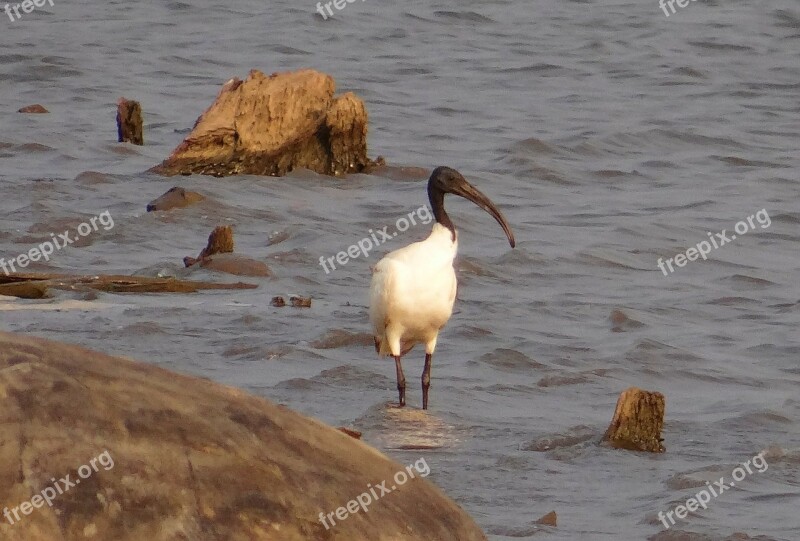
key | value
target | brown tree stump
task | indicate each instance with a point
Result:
(129, 122)
(637, 422)
(218, 256)
(270, 125)
(220, 241)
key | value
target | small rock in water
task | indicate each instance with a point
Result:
(549, 519)
(235, 264)
(35, 108)
(621, 322)
(176, 197)
(300, 302)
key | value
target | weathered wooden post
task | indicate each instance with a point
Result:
(220, 241)
(637, 422)
(129, 122)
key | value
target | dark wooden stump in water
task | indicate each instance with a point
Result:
(220, 241)
(637, 422)
(218, 256)
(129, 122)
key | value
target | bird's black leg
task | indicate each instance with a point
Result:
(426, 380)
(401, 381)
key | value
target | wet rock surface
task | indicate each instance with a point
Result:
(191, 459)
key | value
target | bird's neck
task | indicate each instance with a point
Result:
(436, 199)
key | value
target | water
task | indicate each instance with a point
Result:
(609, 134)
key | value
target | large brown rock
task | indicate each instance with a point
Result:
(192, 460)
(269, 125)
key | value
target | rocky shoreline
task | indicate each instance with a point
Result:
(192, 459)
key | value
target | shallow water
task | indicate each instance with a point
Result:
(609, 134)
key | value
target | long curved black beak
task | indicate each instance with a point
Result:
(468, 191)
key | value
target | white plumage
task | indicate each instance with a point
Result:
(412, 294)
(413, 289)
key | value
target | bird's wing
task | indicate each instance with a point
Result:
(401, 288)
(379, 295)
(414, 286)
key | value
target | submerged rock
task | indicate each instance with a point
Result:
(550, 519)
(235, 264)
(218, 256)
(175, 197)
(270, 125)
(295, 300)
(35, 108)
(177, 457)
(300, 302)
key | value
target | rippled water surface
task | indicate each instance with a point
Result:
(610, 135)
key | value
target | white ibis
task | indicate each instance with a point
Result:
(413, 289)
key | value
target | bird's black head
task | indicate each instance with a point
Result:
(447, 180)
